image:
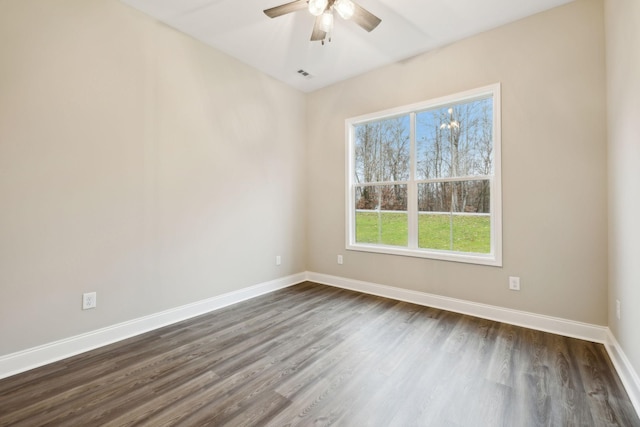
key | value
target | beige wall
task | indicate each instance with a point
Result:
(138, 163)
(551, 67)
(623, 89)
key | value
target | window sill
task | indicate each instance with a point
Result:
(468, 258)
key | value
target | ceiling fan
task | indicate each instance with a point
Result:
(323, 11)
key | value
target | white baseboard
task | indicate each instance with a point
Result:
(25, 360)
(539, 322)
(627, 374)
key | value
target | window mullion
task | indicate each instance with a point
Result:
(412, 188)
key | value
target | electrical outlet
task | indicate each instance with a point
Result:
(89, 300)
(278, 260)
(340, 260)
(514, 283)
(618, 309)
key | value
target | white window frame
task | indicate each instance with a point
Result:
(494, 257)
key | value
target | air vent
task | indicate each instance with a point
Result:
(304, 74)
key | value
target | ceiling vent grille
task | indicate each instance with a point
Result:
(305, 74)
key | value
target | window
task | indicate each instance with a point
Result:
(424, 180)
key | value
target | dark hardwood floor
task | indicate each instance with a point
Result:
(313, 355)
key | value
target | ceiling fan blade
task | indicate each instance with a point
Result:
(283, 9)
(317, 34)
(364, 18)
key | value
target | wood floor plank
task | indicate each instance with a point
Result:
(313, 355)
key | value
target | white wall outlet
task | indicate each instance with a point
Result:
(89, 300)
(278, 260)
(618, 309)
(340, 260)
(514, 283)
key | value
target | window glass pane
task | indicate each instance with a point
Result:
(382, 150)
(455, 140)
(434, 227)
(455, 216)
(381, 215)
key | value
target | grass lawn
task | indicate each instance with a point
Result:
(470, 233)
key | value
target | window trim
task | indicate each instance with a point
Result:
(494, 258)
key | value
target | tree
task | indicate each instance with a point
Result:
(455, 141)
(382, 152)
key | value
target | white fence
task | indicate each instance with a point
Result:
(424, 212)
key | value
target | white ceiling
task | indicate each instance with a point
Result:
(280, 47)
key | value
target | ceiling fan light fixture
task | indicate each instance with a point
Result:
(317, 7)
(326, 24)
(324, 18)
(345, 8)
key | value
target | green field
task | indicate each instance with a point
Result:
(470, 233)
